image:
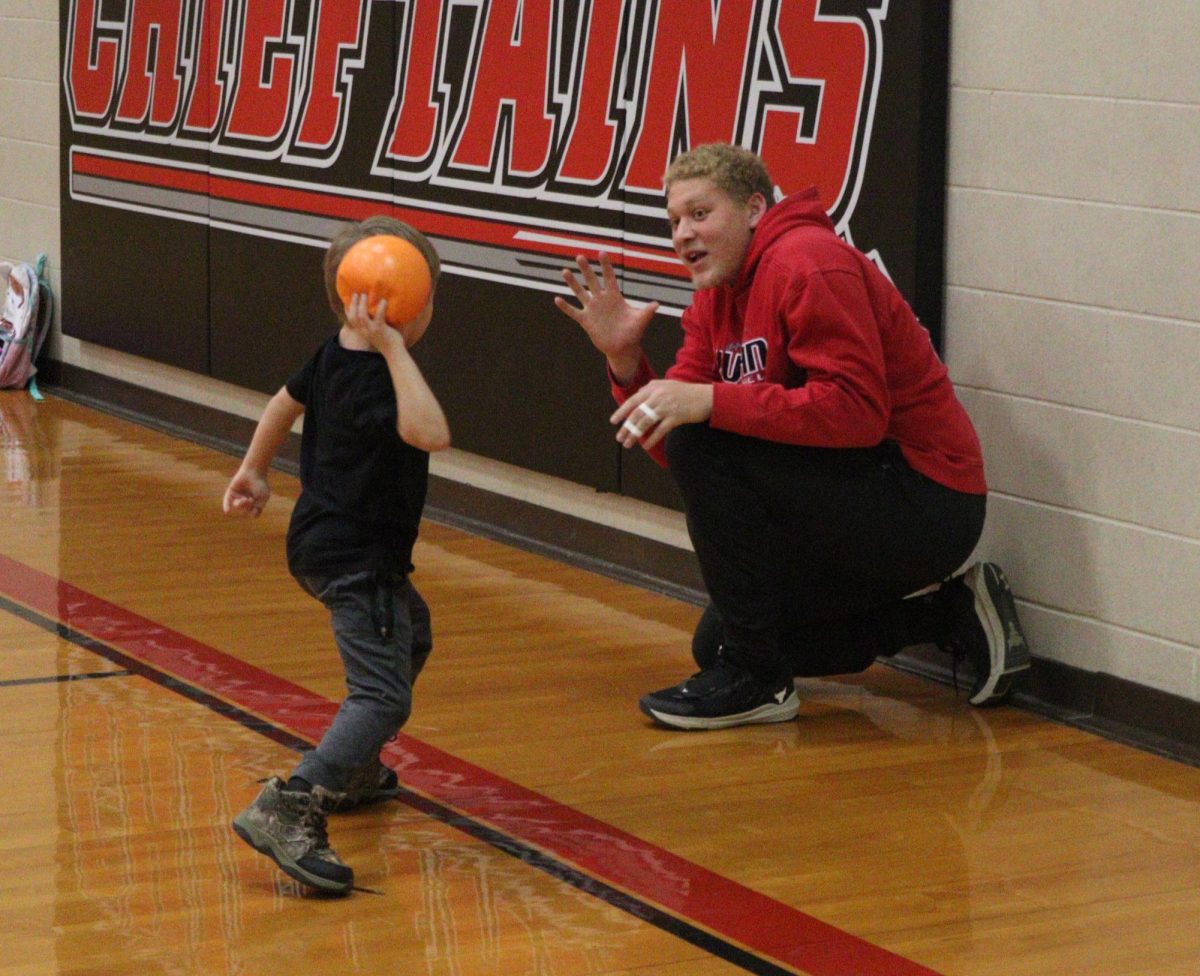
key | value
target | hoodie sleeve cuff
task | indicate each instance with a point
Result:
(645, 373)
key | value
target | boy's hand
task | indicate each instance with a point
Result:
(247, 495)
(373, 328)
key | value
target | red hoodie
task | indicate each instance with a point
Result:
(811, 344)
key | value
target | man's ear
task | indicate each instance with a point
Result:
(756, 206)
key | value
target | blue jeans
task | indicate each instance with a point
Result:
(382, 630)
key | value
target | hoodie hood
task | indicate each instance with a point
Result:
(802, 209)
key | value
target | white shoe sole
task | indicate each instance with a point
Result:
(783, 711)
(1006, 660)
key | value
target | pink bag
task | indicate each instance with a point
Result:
(25, 324)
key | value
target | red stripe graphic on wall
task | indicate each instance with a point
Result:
(475, 242)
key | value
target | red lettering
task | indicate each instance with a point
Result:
(154, 22)
(262, 97)
(204, 102)
(835, 52)
(93, 61)
(588, 157)
(339, 33)
(511, 77)
(698, 58)
(414, 132)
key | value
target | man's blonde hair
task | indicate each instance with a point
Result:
(737, 171)
(350, 234)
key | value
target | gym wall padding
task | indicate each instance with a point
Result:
(210, 148)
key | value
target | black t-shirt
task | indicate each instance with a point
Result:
(362, 487)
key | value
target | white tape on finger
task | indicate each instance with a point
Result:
(641, 420)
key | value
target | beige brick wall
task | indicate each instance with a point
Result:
(29, 130)
(1073, 318)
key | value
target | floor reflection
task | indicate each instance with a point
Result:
(151, 879)
(29, 437)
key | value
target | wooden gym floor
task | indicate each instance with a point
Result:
(156, 662)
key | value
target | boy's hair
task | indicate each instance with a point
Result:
(350, 234)
(737, 171)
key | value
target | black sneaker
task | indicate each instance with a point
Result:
(985, 629)
(368, 784)
(288, 826)
(719, 697)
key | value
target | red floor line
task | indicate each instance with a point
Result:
(723, 906)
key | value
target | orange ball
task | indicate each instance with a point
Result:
(386, 267)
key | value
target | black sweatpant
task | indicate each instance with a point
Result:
(807, 553)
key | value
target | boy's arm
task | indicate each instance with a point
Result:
(248, 491)
(420, 420)
(419, 417)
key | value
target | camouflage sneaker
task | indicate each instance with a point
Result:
(371, 783)
(288, 826)
(984, 629)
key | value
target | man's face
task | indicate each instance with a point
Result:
(710, 230)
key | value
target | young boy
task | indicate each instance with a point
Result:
(370, 421)
(826, 466)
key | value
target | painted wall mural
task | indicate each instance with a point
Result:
(211, 147)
